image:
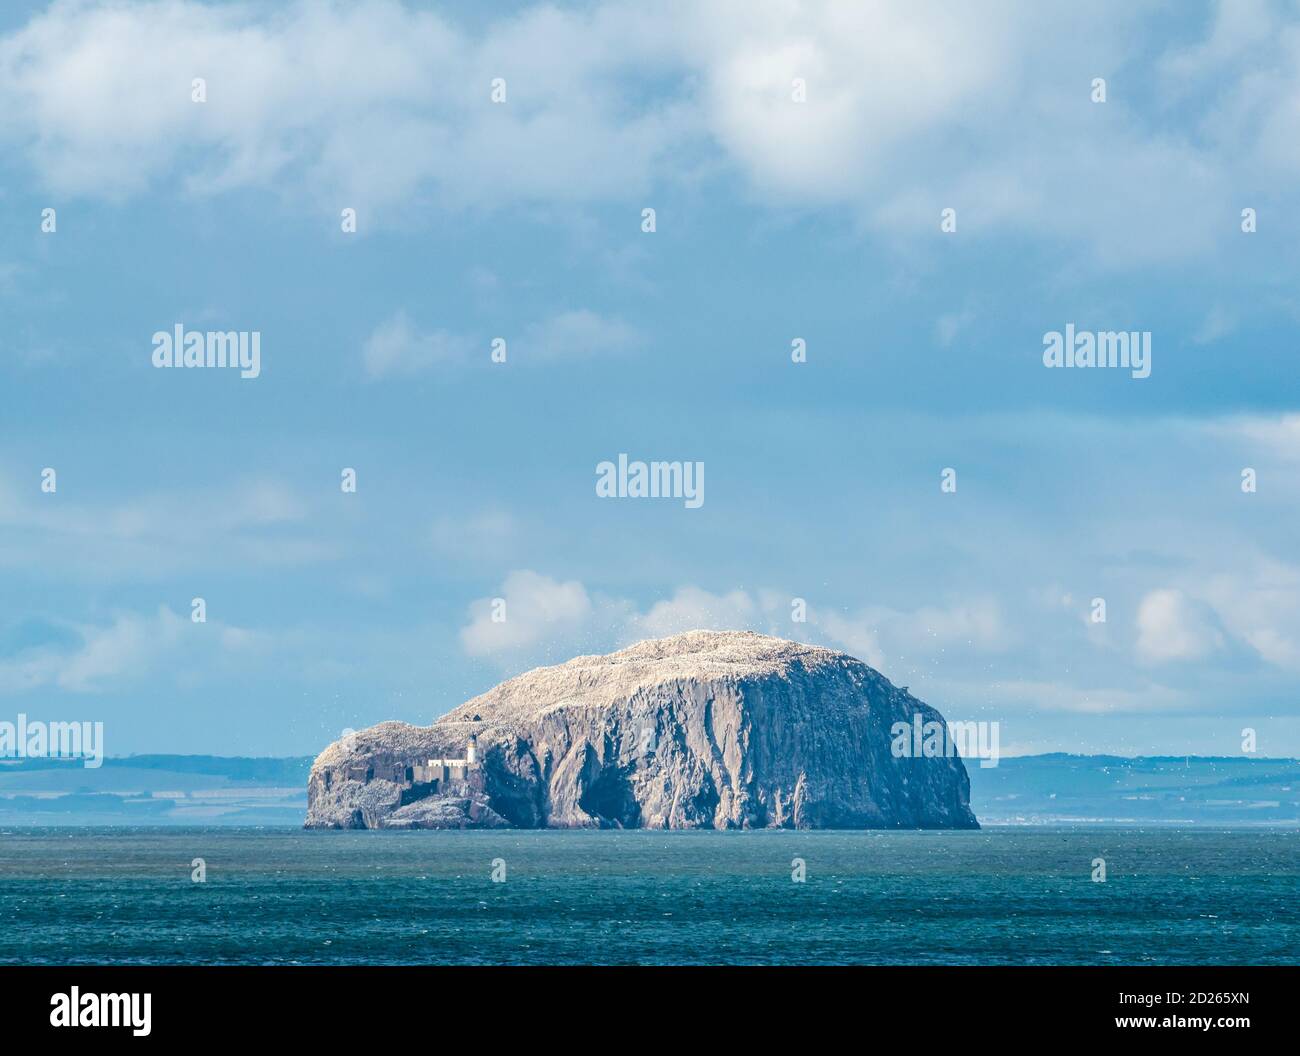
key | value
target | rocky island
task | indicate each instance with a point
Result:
(703, 730)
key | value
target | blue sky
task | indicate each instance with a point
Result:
(774, 220)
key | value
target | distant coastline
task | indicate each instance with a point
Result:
(1032, 790)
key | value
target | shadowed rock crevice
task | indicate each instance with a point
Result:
(610, 799)
(700, 730)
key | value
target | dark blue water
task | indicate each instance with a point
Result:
(1009, 896)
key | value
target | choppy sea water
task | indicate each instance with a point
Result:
(997, 896)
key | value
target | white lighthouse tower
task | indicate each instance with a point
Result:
(471, 750)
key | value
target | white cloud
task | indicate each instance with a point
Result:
(911, 108)
(1239, 28)
(537, 609)
(543, 610)
(1277, 436)
(1171, 626)
(691, 608)
(166, 648)
(580, 334)
(1249, 68)
(360, 103)
(984, 108)
(856, 636)
(547, 616)
(397, 348)
(1260, 606)
(127, 647)
(885, 637)
(553, 615)
(879, 76)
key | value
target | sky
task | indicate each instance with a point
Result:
(799, 159)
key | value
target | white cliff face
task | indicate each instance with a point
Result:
(701, 730)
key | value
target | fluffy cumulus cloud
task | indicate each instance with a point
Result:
(691, 608)
(972, 650)
(130, 651)
(1260, 608)
(987, 109)
(544, 614)
(375, 101)
(909, 108)
(91, 657)
(876, 78)
(531, 610)
(1172, 626)
(546, 619)
(397, 348)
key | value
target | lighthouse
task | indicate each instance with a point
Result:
(471, 750)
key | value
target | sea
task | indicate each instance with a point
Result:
(995, 896)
